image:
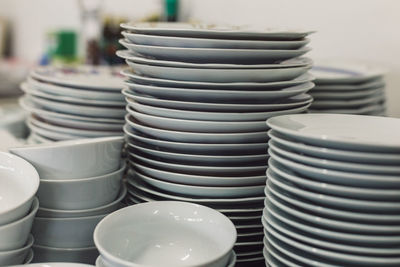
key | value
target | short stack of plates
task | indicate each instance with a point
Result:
(333, 191)
(348, 88)
(73, 102)
(197, 101)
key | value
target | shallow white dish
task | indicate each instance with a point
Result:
(81, 93)
(132, 56)
(341, 131)
(370, 109)
(335, 154)
(15, 234)
(252, 106)
(134, 77)
(16, 256)
(348, 88)
(209, 31)
(48, 134)
(203, 191)
(147, 39)
(84, 76)
(218, 75)
(91, 157)
(55, 264)
(344, 95)
(82, 193)
(196, 137)
(79, 255)
(348, 103)
(223, 96)
(190, 233)
(19, 182)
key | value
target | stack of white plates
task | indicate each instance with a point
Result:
(333, 191)
(73, 102)
(348, 88)
(198, 99)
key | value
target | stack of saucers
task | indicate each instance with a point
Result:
(80, 183)
(73, 102)
(333, 191)
(348, 88)
(19, 182)
(198, 98)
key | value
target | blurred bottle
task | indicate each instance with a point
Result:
(171, 8)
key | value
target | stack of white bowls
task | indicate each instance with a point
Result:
(80, 183)
(198, 99)
(333, 191)
(73, 102)
(348, 88)
(165, 233)
(19, 182)
(54, 264)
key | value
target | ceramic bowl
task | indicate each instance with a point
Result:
(65, 232)
(55, 264)
(52, 254)
(105, 209)
(73, 159)
(29, 258)
(16, 256)
(15, 235)
(77, 194)
(19, 182)
(157, 232)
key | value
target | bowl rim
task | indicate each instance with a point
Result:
(63, 249)
(128, 263)
(27, 245)
(32, 212)
(34, 175)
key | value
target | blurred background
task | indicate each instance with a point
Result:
(72, 31)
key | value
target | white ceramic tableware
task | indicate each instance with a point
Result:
(29, 258)
(14, 235)
(74, 159)
(350, 88)
(49, 134)
(82, 193)
(19, 182)
(65, 232)
(79, 255)
(16, 256)
(55, 264)
(348, 103)
(198, 225)
(344, 95)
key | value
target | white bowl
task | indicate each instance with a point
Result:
(52, 254)
(105, 209)
(65, 232)
(75, 158)
(77, 194)
(19, 182)
(16, 256)
(155, 233)
(55, 264)
(15, 235)
(29, 258)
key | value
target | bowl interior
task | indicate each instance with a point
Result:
(167, 231)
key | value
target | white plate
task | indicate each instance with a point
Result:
(131, 56)
(28, 105)
(348, 103)
(347, 88)
(199, 125)
(349, 132)
(197, 137)
(84, 110)
(203, 191)
(80, 77)
(335, 72)
(333, 164)
(84, 133)
(292, 102)
(38, 139)
(210, 31)
(274, 258)
(201, 148)
(371, 109)
(218, 75)
(69, 99)
(333, 189)
(209, 116)
(74, 92)
(335, 154)
(226, 160)
(333, 201)
(201, 180)
(56, 136)
(224, 96)
(338, 95)
(304, 78)
(199, 169)
(146, 39)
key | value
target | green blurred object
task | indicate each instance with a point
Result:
(171, 10)
(65, 46)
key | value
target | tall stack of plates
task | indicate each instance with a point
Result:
(73, 102)
(198, 98)
(348, 88)
(333, 191)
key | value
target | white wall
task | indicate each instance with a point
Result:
(350, 29)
